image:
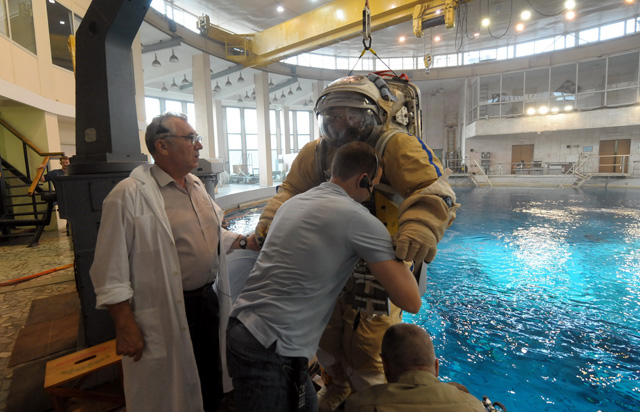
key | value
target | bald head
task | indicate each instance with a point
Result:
(407, 347)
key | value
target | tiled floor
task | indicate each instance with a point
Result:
(17, 260)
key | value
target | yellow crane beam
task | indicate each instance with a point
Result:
(334, 22)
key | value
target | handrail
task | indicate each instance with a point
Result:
(36, 178)
(27, 141)
(482, 172)
(573, 170)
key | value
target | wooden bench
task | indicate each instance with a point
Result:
(75, 367)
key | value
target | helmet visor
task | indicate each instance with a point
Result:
(342, 125)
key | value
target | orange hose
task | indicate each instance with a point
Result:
(35, 275)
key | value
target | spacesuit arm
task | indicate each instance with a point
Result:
(429, 208)
(302, 177)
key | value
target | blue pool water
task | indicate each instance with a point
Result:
(534, 298)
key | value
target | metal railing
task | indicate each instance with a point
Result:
(593, 165)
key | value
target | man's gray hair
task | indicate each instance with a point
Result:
(159, 128)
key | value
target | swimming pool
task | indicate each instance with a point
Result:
(534, 298)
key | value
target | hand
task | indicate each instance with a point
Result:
(252, 243)
(129, 341)
(416, 242)
(261, 232)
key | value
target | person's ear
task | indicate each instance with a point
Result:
(162, 146)
(364, 182)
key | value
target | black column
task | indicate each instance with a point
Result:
(107, 142)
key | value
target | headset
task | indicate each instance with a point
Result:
(365, 183)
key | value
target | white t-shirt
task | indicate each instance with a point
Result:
(313, 245)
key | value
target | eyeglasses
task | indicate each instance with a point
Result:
(195, 138)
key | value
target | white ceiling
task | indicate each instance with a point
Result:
(247, 16)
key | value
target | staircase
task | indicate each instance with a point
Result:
(579, 178)
(26, 206)
(479, 178)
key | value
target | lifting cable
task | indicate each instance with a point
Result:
(35, 275)
(366, 38)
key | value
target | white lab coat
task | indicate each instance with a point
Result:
(136, 260)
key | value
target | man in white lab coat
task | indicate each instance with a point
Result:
(159, 249)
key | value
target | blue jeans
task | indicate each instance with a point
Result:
(262, 379)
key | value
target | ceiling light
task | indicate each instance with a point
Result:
(543, 110)
(173, 58)
(298, 89)
(340, 14)
(525, 15)
(569, 4)
(280, 8)
(568, 108)
(485, 22)
(164, 88)
(239, 98)
(217, 88)
(519, 26)
(174, 85)
(310, 101)
(271, 82)
(61, 21)
(402, 39)
(185, 81)
(629, 1)
(305, 104)
(275, 99)
(246, 96)
(436, 39)
(240, 78)
(156, 62)
(554, 110)
(290, 92)
(476, 35)
(438, 12)
(282, 96)
(228, 82)
(570, 15)
(253, 93)
(531, 110)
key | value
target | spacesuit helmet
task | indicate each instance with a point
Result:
(348, 110)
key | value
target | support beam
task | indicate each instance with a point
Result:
(332, 23)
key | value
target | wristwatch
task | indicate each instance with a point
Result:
(243, 242)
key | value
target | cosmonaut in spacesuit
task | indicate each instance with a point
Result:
(413, 200)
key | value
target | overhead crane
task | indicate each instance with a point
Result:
(332, 23)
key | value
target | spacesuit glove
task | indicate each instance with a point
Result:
(261, 231)
(416, 242)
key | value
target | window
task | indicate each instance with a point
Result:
(611, 31)
(4, 23)
(191, 114)
(60, 28)
(537, 84)
(21, 24)
(152, 108)
(471, 57)
(303, 128)
(173, 106)
(342, 63)
(525, 49)
(544, 45)
(488, 54)
(588, 36)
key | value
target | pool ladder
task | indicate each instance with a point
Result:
(480, 179)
